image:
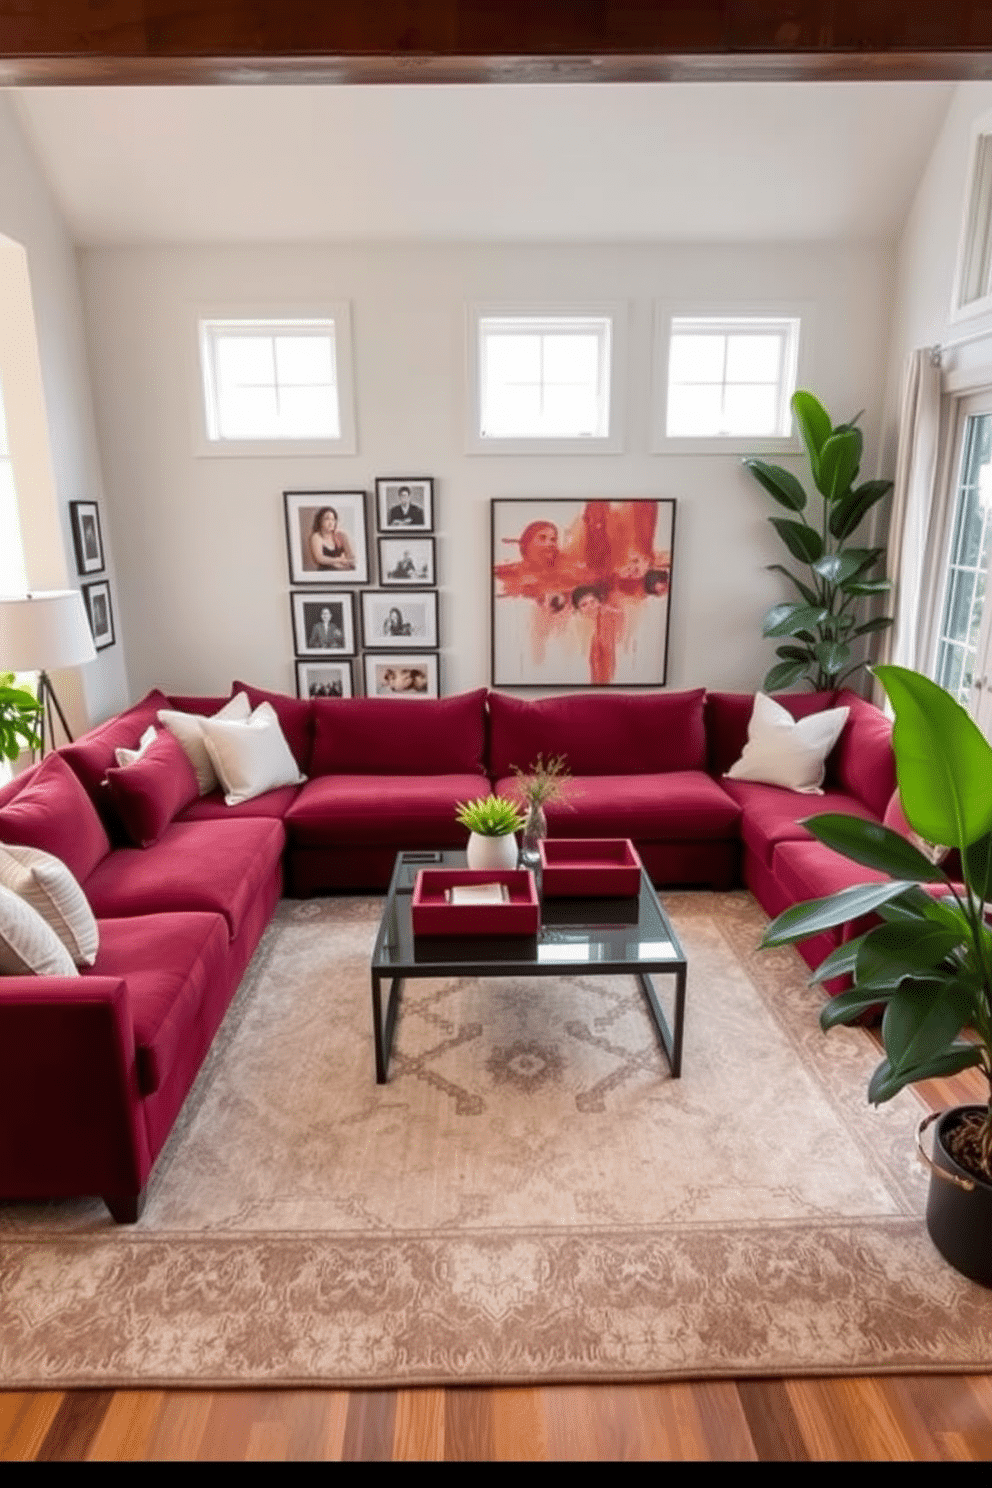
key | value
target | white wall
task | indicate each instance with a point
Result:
(200, 541)
(29, 216)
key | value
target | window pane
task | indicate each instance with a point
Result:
(307, 413)
(249, 413)
(696, 358)
(572, 359)
(306, 361)
(513, 412)
(512, 359)
(754, 358)
(569, 410)
(750, 410)
(245, 361)
(694, 411)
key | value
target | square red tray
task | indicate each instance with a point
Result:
(589, 867)
(431, 913)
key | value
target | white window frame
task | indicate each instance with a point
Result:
(725, 314)
(612, 442)
(970, 226)
(269, 319)
(7, 465)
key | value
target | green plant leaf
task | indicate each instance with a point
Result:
(801, 921)
(943, 762)
(840, 456)
(833, 656)
(885, 1083)
(892, 953)
(873, 846)
(785, 674)
(790, 619)
(779, 483)
(814, 424)
(803, 542)
(841, 961)
(795, 653)
(978, 866)
(847, 1007)
(916, 904)
(849, 511)
(840, 568)
(867, 586)
(921, 1020)
(809, 595)
(880, 622)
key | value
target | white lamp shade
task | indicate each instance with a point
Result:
(42, 632)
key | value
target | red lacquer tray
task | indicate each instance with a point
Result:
(589, 867)
(431, 914)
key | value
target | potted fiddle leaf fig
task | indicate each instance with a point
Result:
(20, 714)
(820, 631)
(492, 822)
(928, 962)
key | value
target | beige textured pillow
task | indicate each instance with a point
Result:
(252, 757)
(29, 947)
(44, 882)
(783, 751)
(188, 729)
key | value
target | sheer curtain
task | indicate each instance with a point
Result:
(915, 522)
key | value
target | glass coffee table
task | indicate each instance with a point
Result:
(597, 937)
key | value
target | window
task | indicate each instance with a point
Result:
(277, 381)
(13, 579)
(545, 378)
(963, 641)
(730, 377)
(973, 284)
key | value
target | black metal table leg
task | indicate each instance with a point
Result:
(384, 1027)
(671, 1040)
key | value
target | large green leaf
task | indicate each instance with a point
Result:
(849, 511)
(867, 586)
(840, 457)
(873, 846)
(838, 568)
(943, 762)
(781, 484)
(795, 653)
(918, 904)
(891, 953)
(880, 622)
(802, 541)
(790, 618)
(814, 424)
(847, 1006)
(809, 595)
(885, 1082)
(978, 866)
(841, 962)
(784, 674)
(801, 921)
(833, 656)
(921, 1021)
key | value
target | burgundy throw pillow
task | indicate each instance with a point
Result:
(52, 811)
(295, 719)
(396, 736)
(599, 734)
(93, 754)
(150, 792)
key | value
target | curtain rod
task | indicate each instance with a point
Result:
(936, 352)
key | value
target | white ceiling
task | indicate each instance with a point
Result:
(716, 162)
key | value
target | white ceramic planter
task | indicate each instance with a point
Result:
(492, 853)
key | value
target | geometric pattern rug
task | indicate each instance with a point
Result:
(531, 1197)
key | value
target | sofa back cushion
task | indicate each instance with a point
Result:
(94, 753)
(400, 736)
(729, 713)
(863, 763)
(599, 733)
(295, 719)
(53, 811)
(148, 793)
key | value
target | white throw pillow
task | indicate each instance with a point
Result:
(188, 730)
(29, 947)
(783, 751)
(252, 757)
(45, 883)
(128, 756)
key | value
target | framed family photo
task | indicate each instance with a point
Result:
(326, 537)
(406, 676)
(405, 503)
(87, 539)
(392, 622)
(324, 679)
(581, 592)
(100, 613)
(406, 561)
(323, 624)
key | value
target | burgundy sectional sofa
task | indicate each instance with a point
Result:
(94, 1068)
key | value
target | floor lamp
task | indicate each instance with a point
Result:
(42, 632)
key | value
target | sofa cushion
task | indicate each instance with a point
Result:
(369, 736)
(148, 793)
(94, 753)
(729, 713)
(28, 944)
(169, 962)
(396, 810)
(811, 870)
(51, 810)
(295, 719)
(599, 734)
(782, 750)
(217, 866)
(773, 815)
(678, 806)
(188, 731)
(274, 804)
(47, 885)
(863, 763)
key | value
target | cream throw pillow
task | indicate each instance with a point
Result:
(128, 756)
(44, 882)
(29, 947)
(252, 757)
(783, 751)
(188, 730)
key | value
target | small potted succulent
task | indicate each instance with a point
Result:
(20, 714)
(492, 822)
(544, 782)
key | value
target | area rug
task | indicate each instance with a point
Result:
(531, 1197)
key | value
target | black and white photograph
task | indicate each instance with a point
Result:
(405, 503)
(324, 679)
(401, 676)
(87, 538)
(323, 624)
(406, 560)
(391, 621)
(99, 610)
(326, 537)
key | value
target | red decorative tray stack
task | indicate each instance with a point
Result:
(432, 914)
(589, 867)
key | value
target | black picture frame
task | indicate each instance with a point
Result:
(392, 623)
(313, 675)
(391, 517)
(307, 607)
(87, 537)
(388, 674)
(304, 510)
(100, 613)
(406, 562)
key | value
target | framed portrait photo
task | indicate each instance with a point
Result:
(323, 624)
(100, 612)
(404, 676)
(87, 539)
(581, 592)
(324, 679)
(405, 503)
(326, 537)
(391, 622)
(406, 561)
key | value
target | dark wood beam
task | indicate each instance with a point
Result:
(371, 41)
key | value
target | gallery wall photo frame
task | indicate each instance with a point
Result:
(391, 621)
(326, 537)
(406, 562)
(325, 679)
(323, 623)
(581, 591)
(100, 613)
(87, 537)
(405, 503)
(409, 675)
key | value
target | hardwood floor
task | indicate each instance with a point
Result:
(926, 1418)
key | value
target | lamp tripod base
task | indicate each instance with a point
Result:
(48, 698)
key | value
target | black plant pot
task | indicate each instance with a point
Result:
(959, 1205)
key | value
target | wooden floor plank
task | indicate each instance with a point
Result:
(181, 1427)
(128, 1427)
(418, 1430)
(369, 1426)
(519, 1429)
(26, 1423)
(74, 1425)
(468, 1426)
